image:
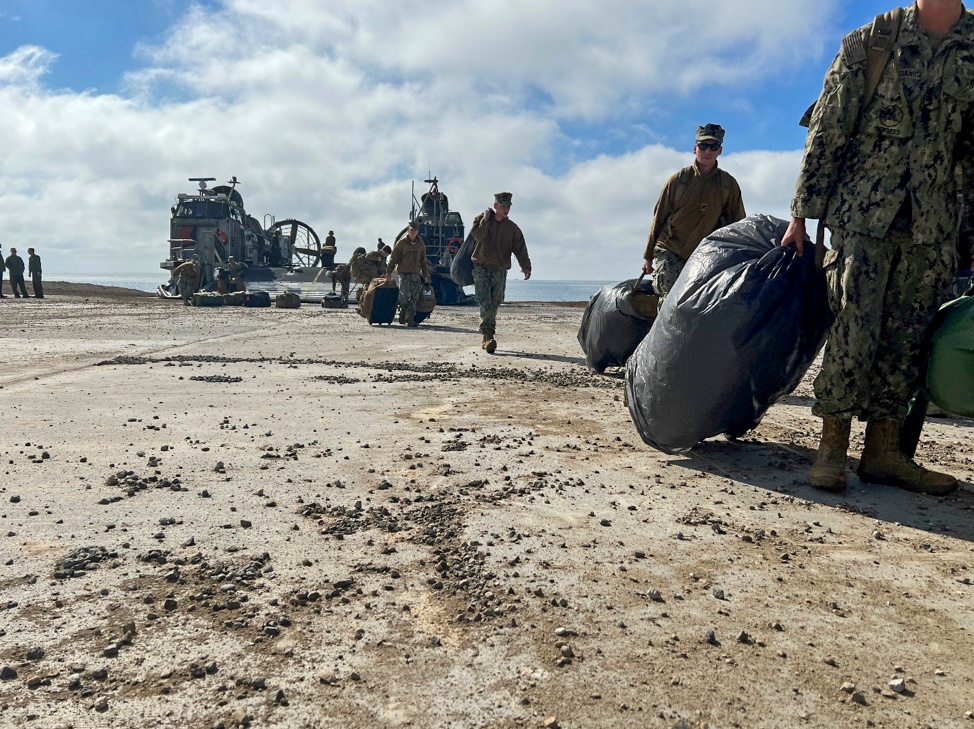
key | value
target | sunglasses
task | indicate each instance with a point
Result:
(712, 146)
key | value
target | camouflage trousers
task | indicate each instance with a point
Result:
(410, 287)
(489, 286)
(185, 288)
(884, 293)
(666, 270)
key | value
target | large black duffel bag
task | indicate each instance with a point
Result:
(461, 270)
(615, 321)
(738, 331)
(257, 299)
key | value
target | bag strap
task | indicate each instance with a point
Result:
(882, 38)
(635, 286)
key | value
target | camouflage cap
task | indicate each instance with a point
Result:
(710, 131)
(414, 224)
(503, 198)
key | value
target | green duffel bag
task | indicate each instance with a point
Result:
(235, 299)
(287, 300)
(207, 299)
(950, 369)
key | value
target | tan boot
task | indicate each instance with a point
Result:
(489, 344)
(883, 463)
(828, 473)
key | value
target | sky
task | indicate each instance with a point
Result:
(327, 111)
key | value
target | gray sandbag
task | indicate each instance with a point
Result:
(740, 328)
(461, 270)
(615, 321)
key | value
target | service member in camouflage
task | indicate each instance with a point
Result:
(887, 183)
(694, 203)
(409, 258)
(187, 278)
(497, 238)
(236, 270)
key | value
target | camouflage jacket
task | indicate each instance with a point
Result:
(915, 137)
(496, 240)
(188, 270)
(409, 257)
(691, 207)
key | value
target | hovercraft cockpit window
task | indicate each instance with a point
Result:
(202, 209)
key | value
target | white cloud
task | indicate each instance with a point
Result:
(327, 110)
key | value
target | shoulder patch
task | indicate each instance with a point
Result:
(854, 46)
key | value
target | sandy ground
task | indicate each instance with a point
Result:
(223, 517)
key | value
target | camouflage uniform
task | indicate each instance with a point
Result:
(409, 258)
(236, 272)
(496, 241)
(187, 278)
(667, 266)
(410, 288)
(890, 194)
(489, 286)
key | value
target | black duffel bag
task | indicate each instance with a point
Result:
(740, 328)
(257, 299)
(615, 321)
(461, 270)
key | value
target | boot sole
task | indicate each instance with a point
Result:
(832, 487)
(887, 480)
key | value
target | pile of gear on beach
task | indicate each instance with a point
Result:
(739, 307)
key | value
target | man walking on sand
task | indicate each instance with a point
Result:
(15, 268)
(497, 238)
(694, 203)
(409, 258)
(3, 267)
(884, 179)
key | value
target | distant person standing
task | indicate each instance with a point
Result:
(3, 267)
(497, 238)
(15, 269)
(34, 269)
(694, 203)
(409, 257)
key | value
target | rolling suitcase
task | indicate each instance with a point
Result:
(378, 303)
(384, 301)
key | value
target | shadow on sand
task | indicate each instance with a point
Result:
(781, 468)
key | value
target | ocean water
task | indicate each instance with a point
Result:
(517, 288)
